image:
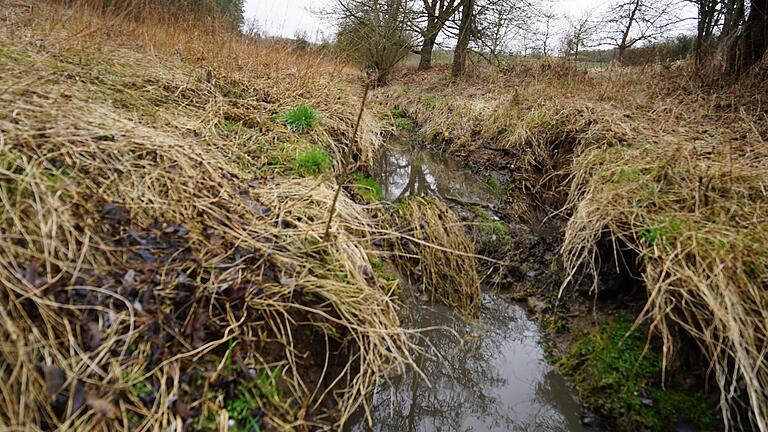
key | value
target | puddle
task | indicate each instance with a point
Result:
(493, 377)
(404, 169)
(490, 375)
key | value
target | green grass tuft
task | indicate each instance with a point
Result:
(368, 188)
(494, 231)
(301, 119)
(312, 162)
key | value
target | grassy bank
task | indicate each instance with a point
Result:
(164, 189)
(646, 170)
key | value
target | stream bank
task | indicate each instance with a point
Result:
(573, 329)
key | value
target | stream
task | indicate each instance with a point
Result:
(490, 375)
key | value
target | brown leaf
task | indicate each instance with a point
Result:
(114, 214)
(182, 410)
(102, 406)
(32, 275)
(92, 335)
(54, 380)
(196, 327)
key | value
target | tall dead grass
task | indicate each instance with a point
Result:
(156, 267)
(446, 264)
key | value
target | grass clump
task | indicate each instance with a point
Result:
(302, 118)
(253, 398)
(368, 188)
(312, 162)
(617, 375)
(447, 264)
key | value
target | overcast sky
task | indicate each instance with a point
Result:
(286, 17)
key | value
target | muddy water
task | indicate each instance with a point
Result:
(405, 168)
(490, 375)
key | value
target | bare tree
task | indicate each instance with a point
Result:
(435, 15)
(548, 19)
(709, 17)
(629, 22)
(499, 23)
(580, 32)
(374, 33)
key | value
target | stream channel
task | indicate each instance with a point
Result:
(494, 376)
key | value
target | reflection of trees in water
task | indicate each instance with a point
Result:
(416, 171)
(459, 375)
(464, 378)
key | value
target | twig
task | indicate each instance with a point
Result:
(347, 163)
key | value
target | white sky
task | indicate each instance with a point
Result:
(286, 17)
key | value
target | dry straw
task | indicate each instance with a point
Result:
(149, 254)
(446, 267)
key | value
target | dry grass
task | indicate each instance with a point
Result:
(695, 213)
(644, 158)
(158, 256)
(446, 266)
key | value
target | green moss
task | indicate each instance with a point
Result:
(302, 118)
(627, 176)
(379, 268)
(535, 118)
(665, 231)
(13, 54)
(494, 231)
(490, 184)
(618, 375)
(312, 162)
(368, 188)
(398, 113)
(403, 123)
(138, 388)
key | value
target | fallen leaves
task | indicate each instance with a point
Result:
(102, 406)
(54, 380)
(114, 214)
(92, 335)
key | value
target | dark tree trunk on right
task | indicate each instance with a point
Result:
(754, 38)
(465, 34)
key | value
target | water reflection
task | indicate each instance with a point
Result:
(493, 377)
(404, 169)
(488, 376)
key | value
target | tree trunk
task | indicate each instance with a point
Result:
(465, 34)
(430, 38)
(624, 44)
(754, 37)
(733, 17)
